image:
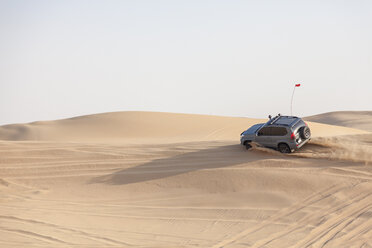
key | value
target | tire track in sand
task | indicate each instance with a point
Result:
(70, 230)
(314, 198)
(331, 227)
(37, 236)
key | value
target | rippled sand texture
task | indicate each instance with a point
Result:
(137, 179)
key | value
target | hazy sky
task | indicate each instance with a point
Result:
(61, 59)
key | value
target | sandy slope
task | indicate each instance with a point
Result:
(173, 187)
(130, 127)
(354, 119)
(144, 127)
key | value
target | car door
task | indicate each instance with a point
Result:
(278, 135)
(263, 136)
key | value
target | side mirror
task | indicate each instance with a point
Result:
(270, 117)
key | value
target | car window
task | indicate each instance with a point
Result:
(278, 131)
(265, 131)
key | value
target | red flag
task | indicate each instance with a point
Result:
(297, 85)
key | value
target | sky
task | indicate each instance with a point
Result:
(60, 59)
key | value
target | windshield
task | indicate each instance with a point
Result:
(253, 128)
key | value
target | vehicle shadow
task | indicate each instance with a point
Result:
(216, 157)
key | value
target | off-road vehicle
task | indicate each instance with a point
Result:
(284, 133)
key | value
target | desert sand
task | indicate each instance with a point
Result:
(355, 119)
(143, 179)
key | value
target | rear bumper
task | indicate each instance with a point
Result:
(298, 146)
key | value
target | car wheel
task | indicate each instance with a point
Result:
(248, 145)
(305, 132)
(284, 148)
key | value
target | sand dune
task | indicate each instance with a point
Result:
(354, 119)
(140, 179)
(137, 127)
(144, 127)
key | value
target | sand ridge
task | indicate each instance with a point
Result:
(145, 127)
(354, 119)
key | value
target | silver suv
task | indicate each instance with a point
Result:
(285, 133)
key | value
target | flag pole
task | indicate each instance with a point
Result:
(295, 86)
(292, 98)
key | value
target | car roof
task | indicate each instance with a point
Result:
(283, 120)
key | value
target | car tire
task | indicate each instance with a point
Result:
(305, 132)
(284, 148)
(247, 145)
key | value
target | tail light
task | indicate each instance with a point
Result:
(293, 136)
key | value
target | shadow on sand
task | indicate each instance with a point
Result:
(217, 157)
